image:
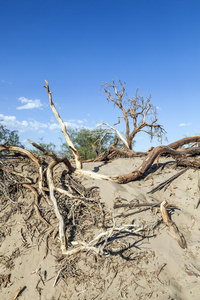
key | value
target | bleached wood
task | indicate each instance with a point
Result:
(64, 130)
(53, 199)
(117, 133)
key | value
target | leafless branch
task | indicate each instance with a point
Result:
(64, 130)
(138, 114)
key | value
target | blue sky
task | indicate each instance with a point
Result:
(153, 45)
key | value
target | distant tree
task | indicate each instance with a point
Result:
(138, 114)
(84, 139)
(11, 136)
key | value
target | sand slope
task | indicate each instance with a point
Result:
(154, 266)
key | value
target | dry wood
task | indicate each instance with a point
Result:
(53, 156)
(36, 204)
(17, 293)
(148, 161)
(134, 111)
(152, 155)
(103, 237)
(188, 162)
(6, 280)
(31, 156)
(191, 270)
(160, 269)
(168, 222)
(184, 141)
(135, 205)
(138, 173)
(16, 173)
(20, 150)
(117, 133)
(58, 214)
(64, 130)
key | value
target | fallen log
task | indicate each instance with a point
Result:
(188, 162)
(113, 152)
(138, 173)
(184, 141)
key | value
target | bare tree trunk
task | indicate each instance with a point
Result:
(129, 142)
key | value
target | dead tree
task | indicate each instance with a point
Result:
(138, 114)
(148, 161)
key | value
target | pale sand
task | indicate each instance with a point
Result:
(134, 279)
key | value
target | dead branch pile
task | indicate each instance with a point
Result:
(64, 217)
(61, 205)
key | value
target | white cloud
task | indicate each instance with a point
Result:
(54, 126)
(30, 124)
(184, 124)
(70, 123)
(80, 122)
(12, 123)
(29, 104)
(37, 125)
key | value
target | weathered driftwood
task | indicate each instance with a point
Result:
(117, 133)
(64, 131)
(168, 222)
(104, 236)
(112, 152)
(18, 291)
(148, 161)
(53, 199)
(184, 141)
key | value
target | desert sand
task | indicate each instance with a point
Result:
(148, 264)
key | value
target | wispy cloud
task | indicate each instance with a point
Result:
(185, 124)
(29, 104)
(12, 123)
(70, 123)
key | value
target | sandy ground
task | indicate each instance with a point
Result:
(154, 266)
